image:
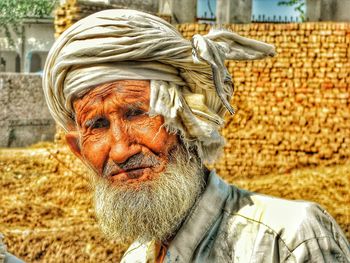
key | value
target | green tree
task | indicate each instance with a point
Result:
(13, 12)
(298, 6)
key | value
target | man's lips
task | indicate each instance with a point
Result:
(133, 173)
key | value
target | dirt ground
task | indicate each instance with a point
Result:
(46, 212)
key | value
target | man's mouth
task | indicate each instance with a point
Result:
(134, 173)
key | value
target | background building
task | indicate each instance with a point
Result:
(30, 50)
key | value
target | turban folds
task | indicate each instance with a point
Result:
(190, 86)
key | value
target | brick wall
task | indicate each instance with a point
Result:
(292, 110)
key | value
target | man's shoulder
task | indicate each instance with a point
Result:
(268, 228)
(289, 220)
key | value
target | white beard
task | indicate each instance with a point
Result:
(156, 209)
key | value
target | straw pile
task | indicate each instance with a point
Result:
(46, 208)
(292, 110)
(47, 214)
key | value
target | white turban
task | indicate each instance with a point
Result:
(190, 86)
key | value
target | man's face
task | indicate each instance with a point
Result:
(145, 180)
(118, 138)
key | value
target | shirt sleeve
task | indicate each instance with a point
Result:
(320, 250)
(328, 243)
(9, 258)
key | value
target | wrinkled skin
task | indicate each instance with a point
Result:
(116, 137)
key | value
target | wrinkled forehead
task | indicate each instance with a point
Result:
(124, 91)
(121, 87)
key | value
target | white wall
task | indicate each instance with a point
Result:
(39, 39)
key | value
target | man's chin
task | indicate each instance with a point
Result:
(151, 208)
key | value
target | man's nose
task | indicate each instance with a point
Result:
(123, 145)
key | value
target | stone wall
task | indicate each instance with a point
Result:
(24, 116)
(292, 110)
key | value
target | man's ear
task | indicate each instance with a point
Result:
(73, 141)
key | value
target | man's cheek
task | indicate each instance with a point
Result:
(157, 140)
(95, 154)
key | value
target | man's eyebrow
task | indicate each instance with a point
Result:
(88, 123)
(135, 105)
(84, 108)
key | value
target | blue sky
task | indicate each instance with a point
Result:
(271, 8)
(202, 7)
(262, 7)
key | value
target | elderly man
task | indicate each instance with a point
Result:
(142, 107)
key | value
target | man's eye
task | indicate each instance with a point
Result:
(100, 123)
(134, 112)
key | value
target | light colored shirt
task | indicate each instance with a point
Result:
(229, 224)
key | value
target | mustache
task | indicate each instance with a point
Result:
(136, 161)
